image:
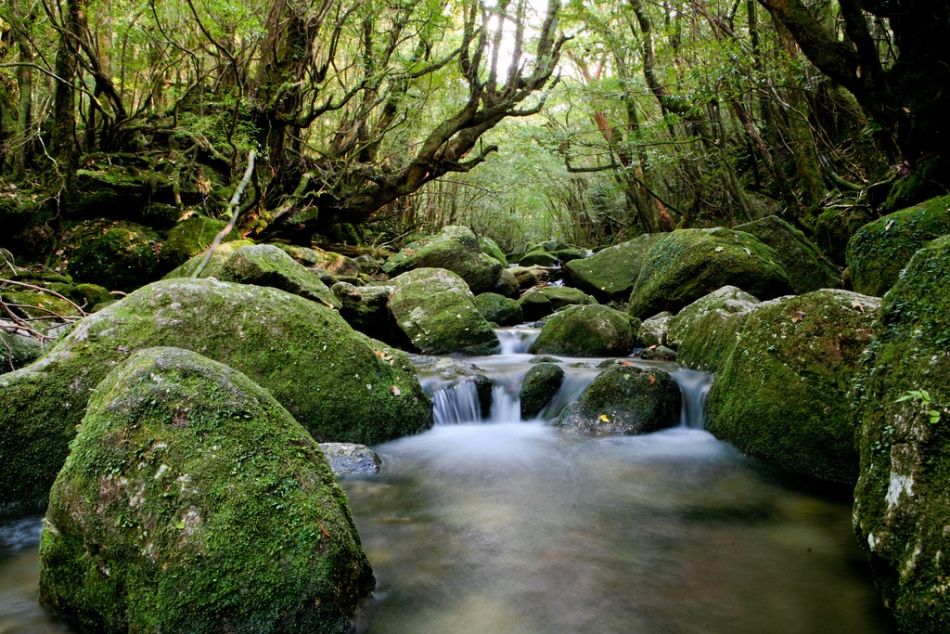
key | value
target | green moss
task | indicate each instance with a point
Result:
(687, 264)
(781, 394)
(610, 274)
(539, 386)
(807, 268)
(119, 256)
(834, 228)
(879, 250)
(435, 309)
(624, 400)
(902, 499)
(707, 331)
(498, 309)
(337, 383)
(93, 294)
(190, 237)
(587, 331)
(192, 501)
(541, 301)
(491, 248)
(213, 268)
(538, 257)
(266, 265)
(454, 249)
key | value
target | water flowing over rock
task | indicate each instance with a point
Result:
(436, 310)
(781, 395)
(336, 382)
(902, 499)
(687, 264)
(192, 501)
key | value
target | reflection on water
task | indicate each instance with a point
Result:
(516, 528)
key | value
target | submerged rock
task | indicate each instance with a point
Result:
(806, 266)
(587, 331)
(610, 274)
(902, 499)
(436, 311)
(539, 386)
(454, 249)
(192, 501)
(879, 250)
(781, 395)
(625, 400)
(351, 461)
(336, 382)
(687, 264)
(705, 333)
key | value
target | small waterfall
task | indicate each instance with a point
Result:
(516, 340)
(694, 388)
(456, 404)
(505, 404)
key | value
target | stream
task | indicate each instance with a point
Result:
(491, 524)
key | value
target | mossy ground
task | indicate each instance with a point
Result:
(193, 502)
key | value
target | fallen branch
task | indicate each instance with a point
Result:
(235, 212)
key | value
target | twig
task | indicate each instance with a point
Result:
(234, 210)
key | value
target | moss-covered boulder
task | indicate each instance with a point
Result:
(781, 396)
(266, 265)
(336, 382)
(193, 502)
(117, 255)
(834, 228)
(658, 353)
(335, 263)
(529, 276)
(213, 267)
(807, 268)
(190, 237)
(625, 400)
(541, 301)
(686, 264)
(17, 351)
(507, 285)
(539, 386)
(653, 331)
(587, 331)
(490, 247)
(902, 499)
(538, 257)
(570, 254)
(499, 310)
(609, 275)
(91, 295)
(879, 250)
(455, 249)
(705, 333)
(366, 308)
(437, 312)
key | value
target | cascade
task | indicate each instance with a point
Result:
(456, 404)
(516, 340)
(694, 388)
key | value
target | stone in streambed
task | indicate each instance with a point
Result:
(587, 331)
(539, 386)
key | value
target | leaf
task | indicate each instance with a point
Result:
(718, 249)
(934, 416)
(905, 397)
(395, 390)
(604, 418)
(652, 379)
(797, 316)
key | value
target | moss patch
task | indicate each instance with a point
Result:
(454, 249)
(807, 268)
(190, 237)
(117, 255)
(707, 331)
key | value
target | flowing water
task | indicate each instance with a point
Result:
(491, 524)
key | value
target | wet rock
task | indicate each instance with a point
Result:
(781, 395)
(500, 310)
(216, 511)
(587, 331)
(507, 285)
(437, 312)
(807, 268)
(351, 461)
(625, 400)
(609, 275)
(539, 386)
(543, 359)
(879, 250)
(653, 331)
(336, 382)
(658, 353)
(454, 249)
(902, 499)
(687, 264)
(705, 332)
(541, 301)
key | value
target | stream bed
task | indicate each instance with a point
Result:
(491, 524)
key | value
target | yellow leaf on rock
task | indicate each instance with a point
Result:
(604, 418)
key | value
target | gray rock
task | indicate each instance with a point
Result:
(351, 461)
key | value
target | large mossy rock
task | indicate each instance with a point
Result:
(539, 386)
(193, 502)
(117, 255)
(490, 247)
(190, 237)
(17, 351)
(587, 331)
(335, 263)
(705, 333)
(687, 264)
(336, 382)
(498, 309)
(625, 400)
(266, 265)
(879, 250)
(437, 312)
(807, 268)
(902, 500)
(538, 257)
(366, 308)
(610, 274)
(834, 228)
(213, 267)
(541, 301)
(455, 249)
(781, 396)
